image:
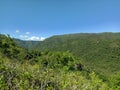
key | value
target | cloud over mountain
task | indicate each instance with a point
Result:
(31, 38)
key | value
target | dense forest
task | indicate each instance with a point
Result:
(66, 62)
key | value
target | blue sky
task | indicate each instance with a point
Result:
(39, 19)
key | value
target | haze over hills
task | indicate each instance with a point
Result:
(98, 51)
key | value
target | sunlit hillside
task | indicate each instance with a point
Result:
(26, 69)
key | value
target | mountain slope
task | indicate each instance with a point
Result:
(100, 52)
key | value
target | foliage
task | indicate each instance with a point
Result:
(115, 81)
(15, 76)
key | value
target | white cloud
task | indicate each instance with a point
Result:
(35, 38)
(17, 31)
(32, 38)
(27, 33)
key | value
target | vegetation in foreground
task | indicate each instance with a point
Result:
(22, 69)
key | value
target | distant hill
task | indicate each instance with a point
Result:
(26, 44)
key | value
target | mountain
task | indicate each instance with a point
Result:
(98, 51)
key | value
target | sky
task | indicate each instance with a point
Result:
(40, 19)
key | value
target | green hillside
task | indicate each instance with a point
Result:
(99, 52)
(28, 69)
(23, 69)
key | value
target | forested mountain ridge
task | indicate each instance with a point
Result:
(69, 41)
